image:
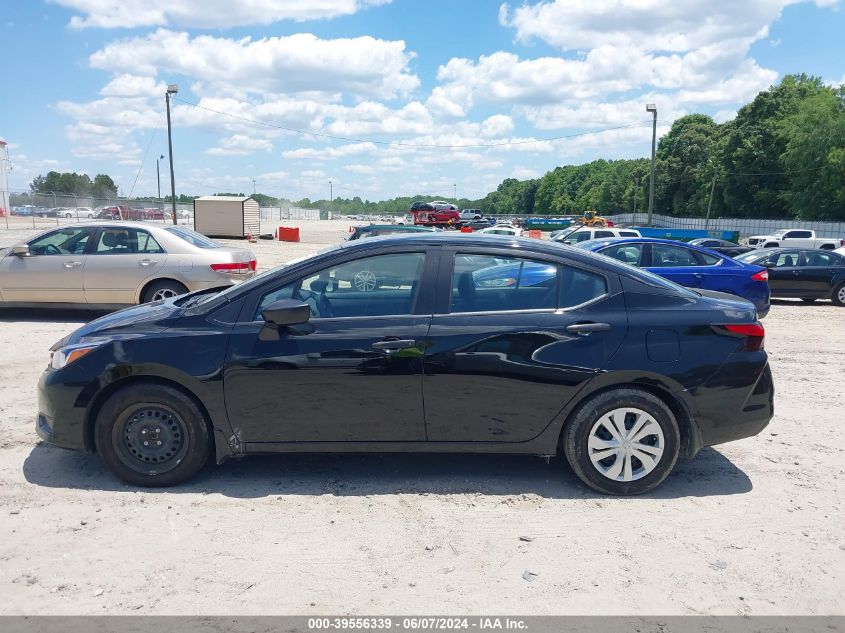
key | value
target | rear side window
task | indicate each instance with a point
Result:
(485, 283)
(706, 259)
(600, 234)
(628, 234)
(820, 258)
(798, 235)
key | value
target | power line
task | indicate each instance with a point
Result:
(406, 144)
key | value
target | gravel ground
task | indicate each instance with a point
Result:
(752, 527)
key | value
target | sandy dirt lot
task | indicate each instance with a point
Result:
(752, 527)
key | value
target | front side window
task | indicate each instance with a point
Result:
(782, 260)
(382, 285)
(61, 242)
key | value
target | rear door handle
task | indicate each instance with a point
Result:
(393, 345)
(698, 276)
(72, 264)
(585, 329)
(796, 272)
(147, 262)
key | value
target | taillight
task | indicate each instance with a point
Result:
(252, 264)
(753, 333)
(763, 275)
(233, 267)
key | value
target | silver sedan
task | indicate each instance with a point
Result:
(107, 264)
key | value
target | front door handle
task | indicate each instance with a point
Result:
(393, 345)
(796, 272)
(585, 329)
(698, 275)
(72, 264)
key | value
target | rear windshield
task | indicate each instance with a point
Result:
(192, 237)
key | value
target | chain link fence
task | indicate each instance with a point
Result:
(745, 226)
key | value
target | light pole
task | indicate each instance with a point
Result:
(331, 194)
(172, 89)
(158, 179)
(712, 191)
(653, 109)
(253, 187)
(455, 187)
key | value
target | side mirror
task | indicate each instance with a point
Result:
(21, 250)
(286, 312)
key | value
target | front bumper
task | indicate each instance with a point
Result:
(60, 419)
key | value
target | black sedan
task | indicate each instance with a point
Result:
(620, 370)
(807, 274)
(725, 247)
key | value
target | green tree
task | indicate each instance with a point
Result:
(814, 156)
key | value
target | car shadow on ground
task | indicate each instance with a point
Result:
(49, 315)
(818, 303)
(709, 474)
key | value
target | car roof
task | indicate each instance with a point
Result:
(398, 227)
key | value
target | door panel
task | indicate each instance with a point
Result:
(503, 376)
(42, 278)
(819, 271)
(352, 374)
(52, 273)
(120, 262)
(785, 275)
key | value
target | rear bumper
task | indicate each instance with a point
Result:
(735, 404)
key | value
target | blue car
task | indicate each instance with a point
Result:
(690, 266)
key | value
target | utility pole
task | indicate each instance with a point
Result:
(253, 187)
(172, 89)
(710, 201)
(653, 109)
(331, 194)
(158, 180)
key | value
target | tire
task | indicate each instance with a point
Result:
(808, 299)
(585, 434)
(164, 289)
(165, 416)
(838, 295)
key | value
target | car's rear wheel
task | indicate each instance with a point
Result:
(164, 289)
(152, 435)
(838, 295)
(622, 442)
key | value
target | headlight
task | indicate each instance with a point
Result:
(66, 355)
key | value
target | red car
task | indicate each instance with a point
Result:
(443, 215)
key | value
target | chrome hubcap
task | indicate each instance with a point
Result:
(164, 293)
(365, 281)
(626, 444)
(841, 294)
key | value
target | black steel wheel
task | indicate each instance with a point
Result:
(152, 435)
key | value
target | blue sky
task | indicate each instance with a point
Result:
(426, 94)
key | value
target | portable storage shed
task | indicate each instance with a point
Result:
(227, 216)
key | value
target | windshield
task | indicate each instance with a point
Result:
(566, 233)
(192, 237)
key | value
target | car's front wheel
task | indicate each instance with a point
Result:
(622, 442)
(152, 435)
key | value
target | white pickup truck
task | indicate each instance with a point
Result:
(794, 238)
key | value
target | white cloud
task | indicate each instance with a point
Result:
(129, 85)
(655, 25)
(240, 145)
(206, 14)
(280, 65)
